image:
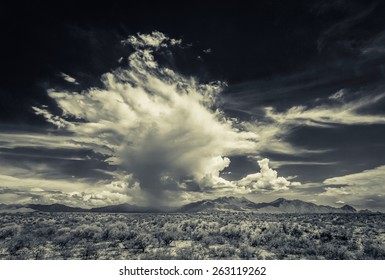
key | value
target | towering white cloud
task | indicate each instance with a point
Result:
(158, 125)
(265, 180)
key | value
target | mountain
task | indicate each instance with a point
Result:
(348, 209)
(226, 203)
(280, 205)
(15, 208)
(55, 208)
(124, 208)
(121, 208)
(368, 212)
(221, 204)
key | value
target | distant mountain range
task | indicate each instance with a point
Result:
(221, 204)
(280, 205)
(124, 208)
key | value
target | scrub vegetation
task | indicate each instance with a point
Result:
(226, 235)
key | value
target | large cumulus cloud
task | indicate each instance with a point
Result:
(159, 126)
(265, 180)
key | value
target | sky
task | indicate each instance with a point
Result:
(164, 104)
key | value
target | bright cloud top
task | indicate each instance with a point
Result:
(265, 180)
(159, 126)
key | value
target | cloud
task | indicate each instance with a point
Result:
(55, 120)
(276, 164)
(336, 33)
(273, 125)
(374, 48)
(159, 134)
(30, 184)
(68, 78)
(265, 180)
(363, 189)
(271, 137)
(85, 199)
(329, 114)
(372, 177)
(160, 126)
(154, 40)
(339, 95)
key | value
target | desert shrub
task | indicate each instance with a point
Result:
(198, 234)
(45, 228)
(184, 254)
(160, 254)
(10, 231)
(118, 231)
(88, 232)
(62, 240)
(39, 253)
(20, 242)
(343, 234)
(332, 252)
(296, 232)
(164, 238)
(246, 252)
(23, 254)
(142, 241)
(326, 236)
(374, 250)
(354, 245)
(231, 231)
(216, 239)
(221, 252)
(279, 241)
(187, 226)
(257, 239)
(66, 254)
(89, 252)
(213, 236)
(207, 241)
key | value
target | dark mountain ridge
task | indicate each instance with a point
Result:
(221, 204)
(124, 208)
(279, 205)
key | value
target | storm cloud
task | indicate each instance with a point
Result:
(160, 126)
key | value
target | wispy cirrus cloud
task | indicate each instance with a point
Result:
(346, 113)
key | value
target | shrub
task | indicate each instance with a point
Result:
(118, 231)
(231, 231)
(10, 231)
(88, 232)
(89, 252)
(63, 240)
(164, 238)
(374, 251)
(142, 241)
(245, 252)
(18, 243)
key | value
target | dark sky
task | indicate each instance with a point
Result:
(306, 78)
